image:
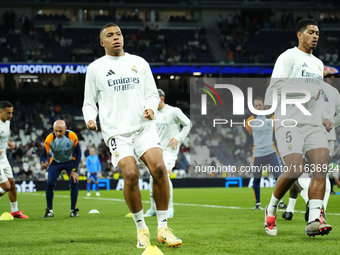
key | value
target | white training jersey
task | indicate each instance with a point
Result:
(168, 121)
(331, 97)
(4, 136)
(123, 87)
(297, 69)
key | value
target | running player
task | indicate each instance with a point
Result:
(7, 183)
(331, 98)
(302, 134)
(126, 93)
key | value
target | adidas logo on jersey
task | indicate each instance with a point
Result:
(304, 64)
(110, 73)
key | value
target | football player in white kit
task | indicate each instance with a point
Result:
(331, 97)
(168, 121)
(7, 183)
(301, 134)
(123, 87)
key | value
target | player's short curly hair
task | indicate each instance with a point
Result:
(303, 23)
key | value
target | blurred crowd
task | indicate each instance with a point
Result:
(53, 42)
(254, 38)
(30, 126)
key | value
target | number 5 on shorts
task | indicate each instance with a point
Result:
(288, 137)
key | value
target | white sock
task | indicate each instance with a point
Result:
(171, 194)
(139, 220)
(162, 218)
(153, 204)
(304, 195)
(327, 193)
(272, 207)
(304, 181)
(14, 206)
(291, 205)
(2, 191)
(315, 206)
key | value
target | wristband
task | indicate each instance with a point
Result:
(74, 169)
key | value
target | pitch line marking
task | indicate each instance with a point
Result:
(182, 204)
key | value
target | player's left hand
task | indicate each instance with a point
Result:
(327, 124)
(75, 177)
(148, 113)
(173, 143)
(10, 145)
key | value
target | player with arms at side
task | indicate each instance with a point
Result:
(168, 121)
(262, 140)
(7, 183)
(66, 155)
(297, 68)
(331, 98)
(93, 168)
(126, 93)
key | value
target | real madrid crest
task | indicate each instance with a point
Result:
(134, 69)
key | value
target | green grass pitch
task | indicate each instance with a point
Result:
(208, 220)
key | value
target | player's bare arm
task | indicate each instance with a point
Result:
(92, 126)
(149, 114)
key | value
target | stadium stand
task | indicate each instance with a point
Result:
(181, 39)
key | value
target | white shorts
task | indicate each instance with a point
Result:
(5, 171)
(170, 158)
(134, 144)
(331, 147)
(300, 139)
(3, 177)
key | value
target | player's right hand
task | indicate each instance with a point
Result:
(44, 165)
(75, 176)
(92, 125)
(327, 124)
(148, 114)
(0, 153)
